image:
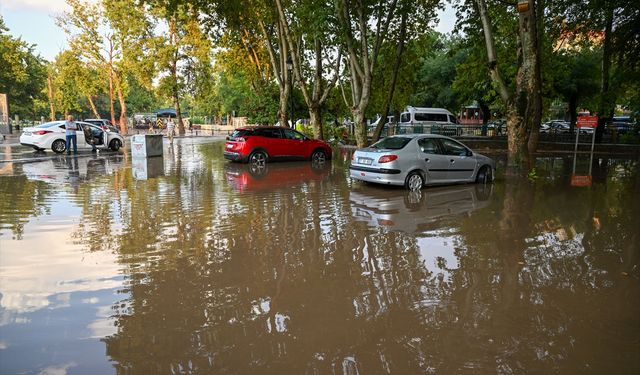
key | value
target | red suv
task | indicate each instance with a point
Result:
(262, 143)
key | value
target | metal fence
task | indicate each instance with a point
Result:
(627, 135)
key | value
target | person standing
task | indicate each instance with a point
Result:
(70, 132)
(170, 128)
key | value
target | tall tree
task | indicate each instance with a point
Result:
(363, 28)
(310, 36)
(181, 49)
(523, 105)
(22, 73)
(111, 37)
(362, 50)
(255, 26)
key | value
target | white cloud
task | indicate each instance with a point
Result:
(58, 370)
(47, 6)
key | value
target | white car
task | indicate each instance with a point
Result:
(51, 135)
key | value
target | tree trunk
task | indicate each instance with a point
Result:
(528, 79)
(176, 103)
(606, 107)
(123, 104)
(112, 110)
(523, 107)
(516, 139)
(280, 70)
(360, 128)
(573, 111)
(52, 113)
(93, 106)
(284, 107)
(175, 94)
(315, 115)
(394, 77)
(537, 22)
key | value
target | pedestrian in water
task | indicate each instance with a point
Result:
(170, 127)
(70, 131)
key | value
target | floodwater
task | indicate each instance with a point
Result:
(190, 264)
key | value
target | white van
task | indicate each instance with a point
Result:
(428, 120)
(427, 116)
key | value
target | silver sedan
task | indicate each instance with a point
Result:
(415, 160)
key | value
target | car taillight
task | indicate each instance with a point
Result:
(387, 158)
(42, 132)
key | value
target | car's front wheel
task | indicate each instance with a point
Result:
(115, 145)
(58, 146)
(485, 175)
(414, 181)
(258, 158)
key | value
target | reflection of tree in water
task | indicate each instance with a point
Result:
(20, 200)
(298, 288)
(537, 297)
(286, 282)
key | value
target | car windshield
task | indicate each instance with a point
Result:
(48, 125)
(391, 143)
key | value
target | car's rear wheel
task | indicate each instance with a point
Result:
(414, 181)
(115, 145)
(318, 156)
(258, 158)
(58, 146)
(485, 175)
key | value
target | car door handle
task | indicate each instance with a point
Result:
(452, 160)
(427, 160)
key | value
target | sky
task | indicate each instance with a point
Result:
(34, 22)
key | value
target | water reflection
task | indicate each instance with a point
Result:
(242, 177)
(416, 211)
(212, 267)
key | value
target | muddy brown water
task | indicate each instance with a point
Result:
(190, 264)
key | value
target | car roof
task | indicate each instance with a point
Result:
(262, 127)
(416, 135)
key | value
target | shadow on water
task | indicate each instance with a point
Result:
(293, 268)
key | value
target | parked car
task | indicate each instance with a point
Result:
(545, 128)
(104, 124)
(415, 160)
(52, 135)
(559, 127)
(259, 144)
(621, 124)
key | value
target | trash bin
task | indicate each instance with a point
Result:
(145, 145)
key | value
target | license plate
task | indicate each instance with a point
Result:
(26, 133)
(364, 161)
(229, 146)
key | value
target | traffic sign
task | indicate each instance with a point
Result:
(581, 181)
(587, 122)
